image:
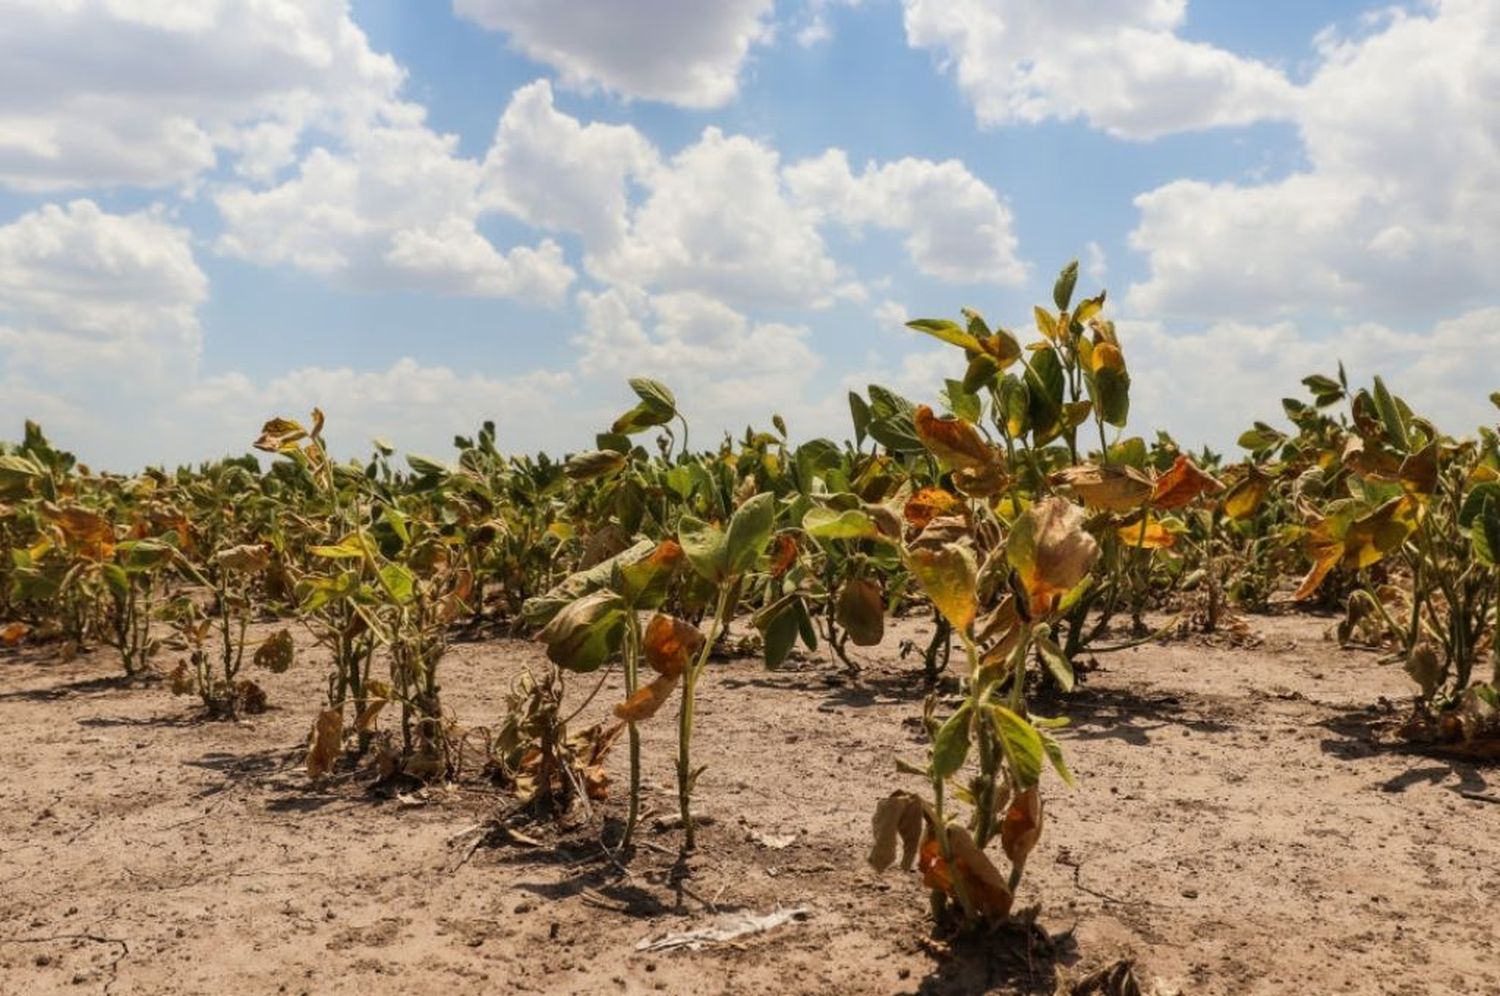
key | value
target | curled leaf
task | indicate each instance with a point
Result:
(1182, 483)
(1022, 826)
(670, 644)
(586, 632)
(953, 440)
(898, 818)
(1114, 488)
(326, 743)
(648, 699)
(950, 577)
(929, 503)
(1050, 551)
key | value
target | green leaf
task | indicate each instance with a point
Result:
(851, 524)
(1390, 417)
(426, 466)
(859, 411)
(1059, 763)
(1044, 382)
(593, 464)
(961, 401)
(1057, 662)
(705, 547)
(949, 332)
(116, 580)
(1022, 744)
(586, 633)
(749, 530)
(398, 583)
(656, 407)
(1486, 533)
(1062, 290)
(351, 547)
(950, 748)
(779, 635)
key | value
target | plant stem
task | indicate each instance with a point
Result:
(685, 716)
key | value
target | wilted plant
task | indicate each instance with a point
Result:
(1002, 614)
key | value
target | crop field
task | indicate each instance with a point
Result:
(1002, 693)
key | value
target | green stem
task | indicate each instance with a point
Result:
(685, 716)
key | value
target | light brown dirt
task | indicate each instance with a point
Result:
(1241, 826)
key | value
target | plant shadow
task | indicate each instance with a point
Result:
(1131, 717)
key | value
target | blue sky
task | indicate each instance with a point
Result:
(421, 215)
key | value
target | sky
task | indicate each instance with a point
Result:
(422, 214)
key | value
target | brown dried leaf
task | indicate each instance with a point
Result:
(1114, 488)
(377, 694)
(1022, 826)
(898, 817)
(326, 743)
(275, 655)
(861, 611)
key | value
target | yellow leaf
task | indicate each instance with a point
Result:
(949, 576)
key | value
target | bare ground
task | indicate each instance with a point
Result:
(1242, 825)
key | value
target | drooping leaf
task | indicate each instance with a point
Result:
(1050, 551)
(326, 743)
(861, 611)
(586, 633)
(950, 747)
(1114, 487)
(1022, 826)
(670, 644)
(953, 440)
(749, 531)
(949, 576)
(1245, 497)
(898, 818)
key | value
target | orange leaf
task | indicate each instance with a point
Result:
(953, 440)
(783, 554)
(1181, 484)
(12, 633)
(670, 643)
(928, 504)
(647, 699)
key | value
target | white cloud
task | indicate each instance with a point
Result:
(397, 208)
(718, 220)
(724, 368)
(957, 228)
(1396, 211)
(1210, 385)
(685, 52)
(554, 172)
(106, 92)
(85, 291)
(1122, 66)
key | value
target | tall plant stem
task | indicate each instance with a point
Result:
(685, 716)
